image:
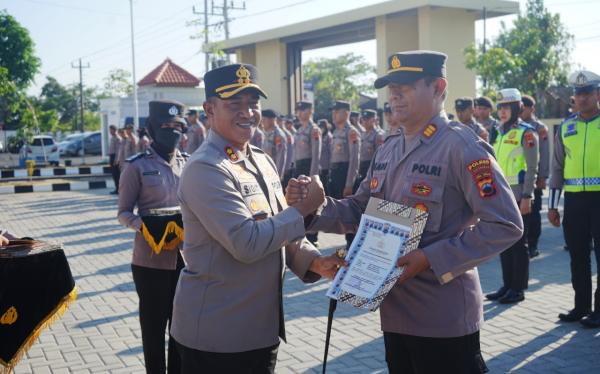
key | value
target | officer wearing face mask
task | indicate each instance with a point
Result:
(149, 182)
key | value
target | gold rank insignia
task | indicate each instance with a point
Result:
(231, 153)
(10, 316)
(512, 135)
(430, 130)
(395, 63)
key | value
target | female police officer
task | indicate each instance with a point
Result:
(150, 181)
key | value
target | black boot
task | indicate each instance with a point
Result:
(511, 297)
(573, 315)
(498, 294)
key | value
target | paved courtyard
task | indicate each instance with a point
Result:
(100, 332)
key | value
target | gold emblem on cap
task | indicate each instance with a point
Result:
(396, 65)
(581, 79)
(243, 74)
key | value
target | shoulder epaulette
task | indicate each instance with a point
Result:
(135, 157)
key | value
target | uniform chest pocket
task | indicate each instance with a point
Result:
(152, 179)
(425, 194)
(338, 145)
(258, 206)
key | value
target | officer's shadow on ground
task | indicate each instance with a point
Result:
(105, 320)
(577, 354)
(111, 270)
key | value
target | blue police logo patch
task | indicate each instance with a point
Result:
(571, 129)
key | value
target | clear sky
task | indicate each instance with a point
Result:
(99, 31)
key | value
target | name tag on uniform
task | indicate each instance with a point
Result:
(152, 172)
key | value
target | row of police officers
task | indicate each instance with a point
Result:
(221, 290)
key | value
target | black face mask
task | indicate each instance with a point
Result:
(165, 140)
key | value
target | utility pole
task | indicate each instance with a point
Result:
(225, 13)
(206, 14)
(484, 39)
(136, 115)
(81, 67)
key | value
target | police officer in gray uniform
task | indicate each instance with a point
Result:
(483, 114)
(534, 231)
(431, 318)
(275, 144)
(345, 152)
(393, 125)
(258, 138)
(196, 131)
(307, 141)
(149, 181)
(128, 145)
(356, 121)
(370, 140)
(327, 138)
(228, 309)
(464, 112)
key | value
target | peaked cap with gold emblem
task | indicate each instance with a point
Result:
(226, 81)
(408, 67)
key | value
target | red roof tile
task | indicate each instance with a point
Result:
(169, 74)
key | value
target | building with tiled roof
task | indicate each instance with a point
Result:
(169, 74)
(167, 81)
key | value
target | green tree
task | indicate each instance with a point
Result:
(117, 84)
(340, 78)
(59, 98)
(531, 56)
(16, 51)
(18, 66)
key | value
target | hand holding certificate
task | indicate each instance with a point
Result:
(387, 231)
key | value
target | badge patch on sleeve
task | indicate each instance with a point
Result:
(353, 136)
(421, 189)
(481, 170)
(529, 139)
(543, 133)
(374, 183)
(316, 134)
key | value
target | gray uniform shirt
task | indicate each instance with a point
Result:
(258, 138)
(113, 145)
(472, 217)
(544, 147)
(128, 149)
(345, 147)
(307, 143)
(289, 159)
(148, 182)
(228, 298)
(369, 142)
(275, 145)
(326, 151)
(196, 135)
(478, 128)
(489, 124)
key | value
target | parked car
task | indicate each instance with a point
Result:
(42, 150)
(62, 146)
(92, 144)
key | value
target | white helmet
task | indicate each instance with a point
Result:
(508, 95)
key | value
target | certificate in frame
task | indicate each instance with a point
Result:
(386, 232)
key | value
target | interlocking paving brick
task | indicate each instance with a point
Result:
(100, 332)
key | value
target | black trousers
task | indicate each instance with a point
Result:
(156, 289)
(114, 170)
(258, 361)
(581, 224)
(338, 172)
(535, 220)
(303, 168)
(515, 262)
(407, 354)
